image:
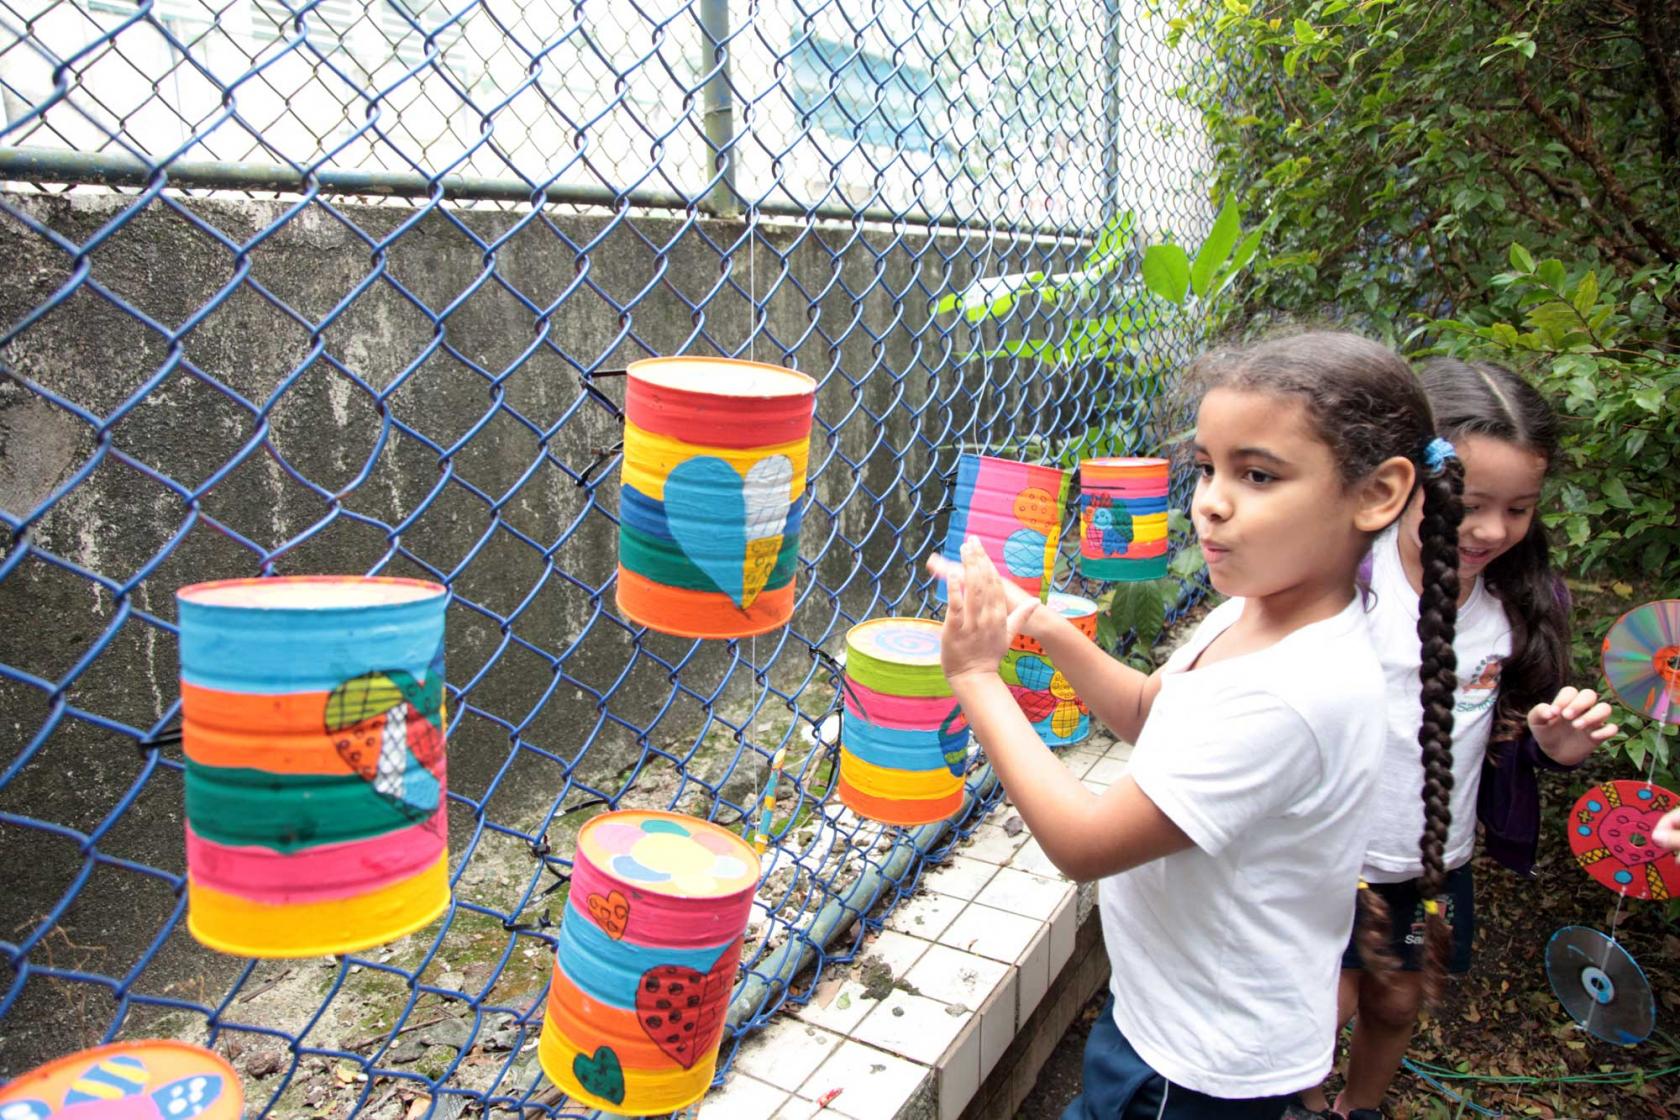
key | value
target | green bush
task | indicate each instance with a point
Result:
(1497, 179)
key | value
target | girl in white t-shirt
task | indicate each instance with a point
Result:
(1229, 851)
(1512, 650)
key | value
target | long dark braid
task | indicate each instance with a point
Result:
(1443, 487)
(1368, 407)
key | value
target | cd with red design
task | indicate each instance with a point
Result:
(1610, 834)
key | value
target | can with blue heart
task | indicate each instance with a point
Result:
(713, 489)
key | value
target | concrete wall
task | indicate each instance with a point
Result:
(405, 408)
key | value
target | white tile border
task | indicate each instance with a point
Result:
(973, 953)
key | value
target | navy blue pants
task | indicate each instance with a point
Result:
(1120, 1085)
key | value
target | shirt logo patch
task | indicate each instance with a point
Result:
(1478, 690)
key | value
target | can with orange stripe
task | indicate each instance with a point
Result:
(1123, 518)
(713, 491)
(1049, 702)
(313, 724)
(903, 739)
(649, 948)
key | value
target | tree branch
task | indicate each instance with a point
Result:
(1586, 149)
(1651, 42)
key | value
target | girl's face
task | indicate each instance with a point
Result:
(1270, 509)
(1502, 482)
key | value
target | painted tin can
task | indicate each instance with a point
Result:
(712, 496)
(313, 724)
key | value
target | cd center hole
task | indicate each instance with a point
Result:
(1666, 662)
(1639, 839)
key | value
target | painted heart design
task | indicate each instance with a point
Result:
(1626, 831)
(601, 1075)
(388, 728)
(681, 1010)
(728, 526)
(611, 912)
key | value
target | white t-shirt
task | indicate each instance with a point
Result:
(1226, 954)
(1482, 641)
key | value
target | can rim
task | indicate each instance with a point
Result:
(206, 594)
(646, 371)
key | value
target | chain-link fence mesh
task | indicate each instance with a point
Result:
(336, 286)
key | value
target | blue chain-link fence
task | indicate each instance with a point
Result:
(339, 285)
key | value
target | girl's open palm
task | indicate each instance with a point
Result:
(1022, 606)
(980, 616)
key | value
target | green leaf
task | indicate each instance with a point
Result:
(1551, 274)
(1650, 398)
(1151, 616)
(1617, 493)
(1187, 563)
(1521, 260)
(1227, 227)
(1586, 293)
(1239, 259)
(1166, 272)
(1122, 609)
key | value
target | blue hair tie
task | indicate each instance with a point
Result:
(1435, 456)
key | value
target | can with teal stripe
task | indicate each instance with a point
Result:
(313, 722)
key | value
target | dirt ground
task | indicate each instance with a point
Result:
(1500, 1044)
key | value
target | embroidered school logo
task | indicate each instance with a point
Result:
(1478, 690)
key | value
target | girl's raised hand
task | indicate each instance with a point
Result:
(1023, 607)
(977, 615)
(1570, 726)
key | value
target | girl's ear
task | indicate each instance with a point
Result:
(1383, 494)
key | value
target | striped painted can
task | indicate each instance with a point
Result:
(712, 494)
(314, 729)
(1015, 511)
(903, 739)
(1123, 519)
(1058, 715)
(649, 948)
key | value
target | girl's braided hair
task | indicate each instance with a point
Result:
(1367, 406)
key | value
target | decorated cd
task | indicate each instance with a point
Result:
(153, 1079)
(1642, 660)
(1600, 985)
(1610, 834)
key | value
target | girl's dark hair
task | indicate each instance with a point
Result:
(1367, 406)
(1483, 399)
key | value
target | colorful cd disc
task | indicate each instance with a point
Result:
(1610, 834)
(1600, 985)
(1642, 660)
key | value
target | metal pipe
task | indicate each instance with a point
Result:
(1111, 111)
(58, 165)
(717, 106)
(833, 919)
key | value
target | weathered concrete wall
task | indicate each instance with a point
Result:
(370, 387)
